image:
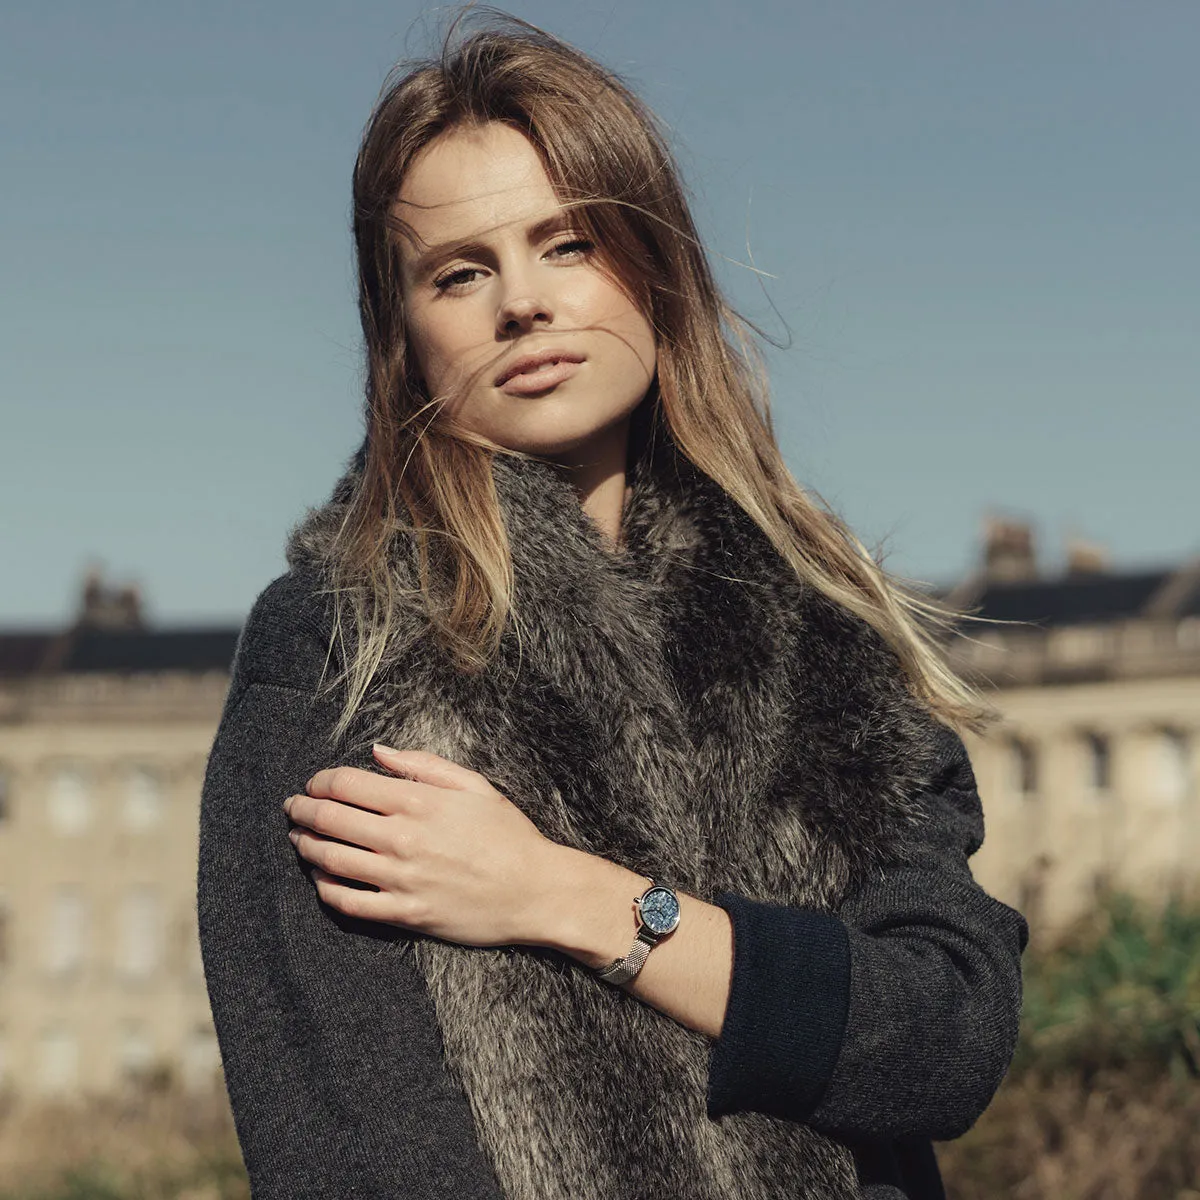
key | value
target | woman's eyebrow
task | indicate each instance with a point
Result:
(438, 252)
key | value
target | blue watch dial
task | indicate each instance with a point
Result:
(660, 910)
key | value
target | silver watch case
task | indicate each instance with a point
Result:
(658, 910)
(658, 914)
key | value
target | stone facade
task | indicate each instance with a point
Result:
(1087, 788)
(104, 734)
(1089, 779)
(1088, 782)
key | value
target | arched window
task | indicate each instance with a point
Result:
(201, 1060)
(140, 931)
(1172, 765)
(65, 946)
(143, 805)
(135, 1052)
(1097, 763)
(58, 1061)
(1031, 888)
(1187, 633)
(1021, 768)
(70, 800)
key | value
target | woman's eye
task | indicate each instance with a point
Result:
(571, 249)
(454, 279)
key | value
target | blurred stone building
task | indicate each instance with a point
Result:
(1089, 779)
(1088, 783)
(105, 729)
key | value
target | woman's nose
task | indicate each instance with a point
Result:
(520, 310)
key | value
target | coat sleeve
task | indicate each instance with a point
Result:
(330, 1046)
(896, 1016)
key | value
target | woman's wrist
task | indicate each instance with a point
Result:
(587, 909)
(587, 906)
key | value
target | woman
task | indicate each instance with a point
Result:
(629, 830)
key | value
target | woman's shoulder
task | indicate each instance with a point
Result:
(285, 638)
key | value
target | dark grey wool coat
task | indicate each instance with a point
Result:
(685, 707)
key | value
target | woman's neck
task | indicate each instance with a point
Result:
(598, 476)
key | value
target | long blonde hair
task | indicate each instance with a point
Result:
(603, 152)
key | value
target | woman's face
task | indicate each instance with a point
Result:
(496, 281)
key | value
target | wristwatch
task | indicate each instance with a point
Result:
(658, 915)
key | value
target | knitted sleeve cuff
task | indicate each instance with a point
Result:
(787, 1011)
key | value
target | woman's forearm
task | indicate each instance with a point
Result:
(590, 914)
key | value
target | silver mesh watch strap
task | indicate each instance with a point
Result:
(622, 970)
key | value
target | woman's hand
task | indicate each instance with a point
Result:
(450, 855)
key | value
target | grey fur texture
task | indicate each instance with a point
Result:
(686, 708)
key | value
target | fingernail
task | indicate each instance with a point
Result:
(380, 748)
(293, 836)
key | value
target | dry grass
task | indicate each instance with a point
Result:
(156, 1145)
(1103, 1102)
(1118, 1137)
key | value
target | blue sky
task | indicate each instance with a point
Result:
(980, 220)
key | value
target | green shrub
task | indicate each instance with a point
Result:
(1123, 992)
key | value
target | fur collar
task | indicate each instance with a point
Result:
(685, 707)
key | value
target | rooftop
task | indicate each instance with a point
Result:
(109, 635)
(1085, 599)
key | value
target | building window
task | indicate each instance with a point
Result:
(70, 801)
(1172, 768)
(1022, 768)
(140, 932)
(1029, 897)
(58, 1062)
(143, 799)
(67, 934)
(5, 793)
(135, 1053)
(195, 957)
(201, 1060)
(1097, 763)
(1080, 644)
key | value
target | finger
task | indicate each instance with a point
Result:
(340, 820)
(431, 768)
(336, 858)
(364, 789)
(356, 902)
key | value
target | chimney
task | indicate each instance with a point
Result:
(1086, 558)
(112, 608)
(1008, 554)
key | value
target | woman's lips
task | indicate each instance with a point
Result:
(549, 375)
